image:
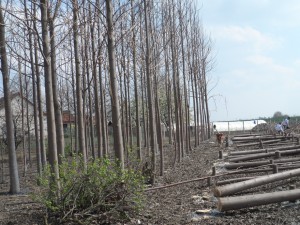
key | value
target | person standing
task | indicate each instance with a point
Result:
(285, 123)
(279, 128)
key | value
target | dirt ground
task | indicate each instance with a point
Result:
(173, 205)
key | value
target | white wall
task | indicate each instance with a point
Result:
(16, 104)
(237, 125)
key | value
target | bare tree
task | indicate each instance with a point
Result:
(13, 165)
(151, 105)
(57, 107)
(116, 120)
(80, 115)
(137, 107)
(51, 128)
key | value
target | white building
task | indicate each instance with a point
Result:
(237, 125)
(17, 102)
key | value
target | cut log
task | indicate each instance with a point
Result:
(246, 135)
(239, 202)
(244, 185)
(257, 138)
(257, 143)
(263, 155)
(252, 156)
(282, 167)
(234, 180)
(264, 150)
(258, 163)
(246, 164)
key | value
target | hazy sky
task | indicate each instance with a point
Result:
(257, 52)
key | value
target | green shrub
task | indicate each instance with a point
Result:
(103, 193)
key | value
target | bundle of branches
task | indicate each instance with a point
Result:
(102, 194)
(263, 127)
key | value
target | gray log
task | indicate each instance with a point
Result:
(232, 203)
(284, 167)
(264, 150)
(244, 185)
(258, 142)
(263, 155)
(257, 138)
(258, 163)
(234, 180)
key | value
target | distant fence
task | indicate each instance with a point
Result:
(230, 126)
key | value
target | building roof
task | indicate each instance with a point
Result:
(12, 96)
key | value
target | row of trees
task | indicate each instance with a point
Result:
(142, 64)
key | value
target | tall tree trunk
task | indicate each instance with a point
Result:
(175, 87)
(90, 128)
(57, 108)
(34, 94)
(39, 105)
(28, 121)
(103, 113)
(102, 92)
(136, 97)
(13, 164)
(159, 133)
(80, 116)
(186, 98)
(22, 119)
(152, 130)
(129, 109)
(118, 140)
(96, 85)
(74, 99)
(91, 119)
(51, 128)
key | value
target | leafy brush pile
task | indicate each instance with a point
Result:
(102, 194)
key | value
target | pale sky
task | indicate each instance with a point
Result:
(257, 53)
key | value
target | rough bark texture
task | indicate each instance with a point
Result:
(240, 202)
(51, 128)
(118, 139)
(57, 108)
(80, 121)
(240, 186)
(12, 157)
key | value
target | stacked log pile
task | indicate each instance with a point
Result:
(250, 171)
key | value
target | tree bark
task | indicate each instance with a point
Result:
(39, 104)
(12, 156)
(118, 138)
(136, 97)
(240, 186)
(96, 86)
(80, 115)
(240, 202)
(35, 104)
(57, 108)
(152, 131)
(51, 128)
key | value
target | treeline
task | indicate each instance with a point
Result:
(141, 64)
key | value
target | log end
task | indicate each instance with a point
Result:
(219, 205)
(217, 192)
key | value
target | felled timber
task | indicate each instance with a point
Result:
(247, 135)
(258, 163)
(264, 150)
(252, 156)
(244, 185)
(262, 170)
(239, 202)
(265, 169)
(263, 155)
(257, 143)
(234, 180)
(257, 138)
